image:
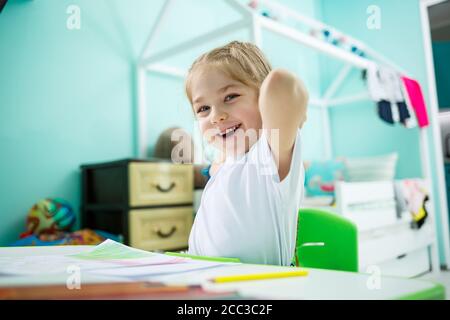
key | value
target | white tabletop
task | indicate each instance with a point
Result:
(318, 284)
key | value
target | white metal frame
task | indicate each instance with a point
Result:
(434, 111)
(255, 24)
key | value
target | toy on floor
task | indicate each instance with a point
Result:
(49, 223)
(49, 216)
(60, 238)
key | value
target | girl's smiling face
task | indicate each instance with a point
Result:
(226, 109)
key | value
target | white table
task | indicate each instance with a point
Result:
(319, 284)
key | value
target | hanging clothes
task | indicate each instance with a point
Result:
(384, 110)
(394, 82)
(385, 87)
(378, 94)
(415, 100)
(412, 196)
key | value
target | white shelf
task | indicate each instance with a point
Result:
(394, 242)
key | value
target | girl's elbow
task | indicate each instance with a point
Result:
(302, 96)
(278, 80)
(303, 119)
(302, 92)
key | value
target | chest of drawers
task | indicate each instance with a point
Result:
(149, 203)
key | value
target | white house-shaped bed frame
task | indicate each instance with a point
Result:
(255, 23)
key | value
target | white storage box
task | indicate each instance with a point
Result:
(370, 205)
(388, 243)
(411, 264)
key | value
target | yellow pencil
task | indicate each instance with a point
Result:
(260, 276)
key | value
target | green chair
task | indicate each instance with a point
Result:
(326, 241)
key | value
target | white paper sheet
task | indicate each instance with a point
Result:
(108, 254)
(155, 270)
(40, 265)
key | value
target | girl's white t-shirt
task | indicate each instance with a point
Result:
(247, 213)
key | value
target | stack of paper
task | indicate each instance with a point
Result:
(109, 258)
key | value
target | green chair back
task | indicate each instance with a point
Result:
(326, 241)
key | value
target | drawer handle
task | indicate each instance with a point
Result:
(165, 190)
(165, 235)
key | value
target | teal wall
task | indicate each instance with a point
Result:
(66, 97)
(441, 54)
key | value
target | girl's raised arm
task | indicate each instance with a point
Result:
(283, 100)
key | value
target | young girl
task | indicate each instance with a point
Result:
(252, 115)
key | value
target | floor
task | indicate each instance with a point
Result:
(443, 278)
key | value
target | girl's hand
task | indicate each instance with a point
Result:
(283, 101)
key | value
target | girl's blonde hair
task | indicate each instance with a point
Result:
(241, 61)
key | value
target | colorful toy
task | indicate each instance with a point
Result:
(49, 216)
(60, 238)
(412, 196)
(321, 176)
